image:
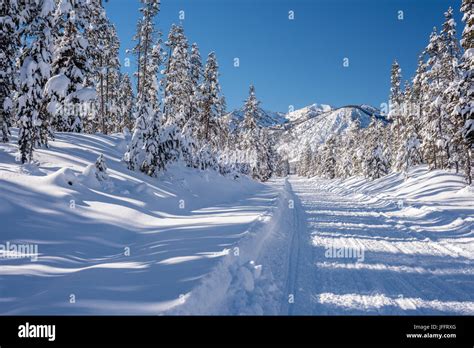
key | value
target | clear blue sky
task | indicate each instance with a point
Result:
(299, 62)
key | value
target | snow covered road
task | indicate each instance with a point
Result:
(374, 256)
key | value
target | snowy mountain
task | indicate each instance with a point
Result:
(308, 112)
(266, 119)
(313, 125)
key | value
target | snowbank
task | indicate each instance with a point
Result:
(249, 281)
(440, 196)
(419, 185)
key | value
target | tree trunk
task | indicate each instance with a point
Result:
(145, 63)
(107, 91)
(468, 166)
(102, 111)
(139, 64)
(166, 73)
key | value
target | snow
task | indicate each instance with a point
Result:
(57, 85)
(91, 177)
(7, 104)
(85, 94)
(416, 237)
(308, 112)
(377, 302)
(83, 228)
(314, 127)
(47, 7)
(27, 71)
(251, 278)
(266, 119)
(195, 242)
(468, 54)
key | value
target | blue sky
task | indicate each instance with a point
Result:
(299, 62)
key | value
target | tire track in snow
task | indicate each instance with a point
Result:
(293, 262)
(297, 282)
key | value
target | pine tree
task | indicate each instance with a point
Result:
(159, 148)
(135, 154)
(148, 52)
(177, 98)
(195, 63)
(443, 54)
(97, 35)
(316, 164)
(265, 157)
(254, 140)
(210, 132)
(305, 167)
(396, 154)
(282, 168)
(375, 164)
(460, 96)
(349, 160)
(450, 49)
(450, 55)
(103, 48)
(34, 73)
(160, 145)
(9, 43)
(194, 150)
(112, 79)
(126, 101)
(67, 89)
(106, 76)
(251, 112)
(419, 88)
(149, 147)
(466, 105)
(101, 169)
(211, 105)
(396, 106)
(409, 153)
(413, 129)
(432, 133)
(396, 94)
(328, 158)
(177, 86)
(196, 75)
(250, 133)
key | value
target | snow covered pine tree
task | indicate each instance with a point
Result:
(9, 43)
(35, 71)
(66, 89)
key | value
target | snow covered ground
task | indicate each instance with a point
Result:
(132, 245)
(391, 246)
(193, 242)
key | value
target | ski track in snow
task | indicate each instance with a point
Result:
(403, 272)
